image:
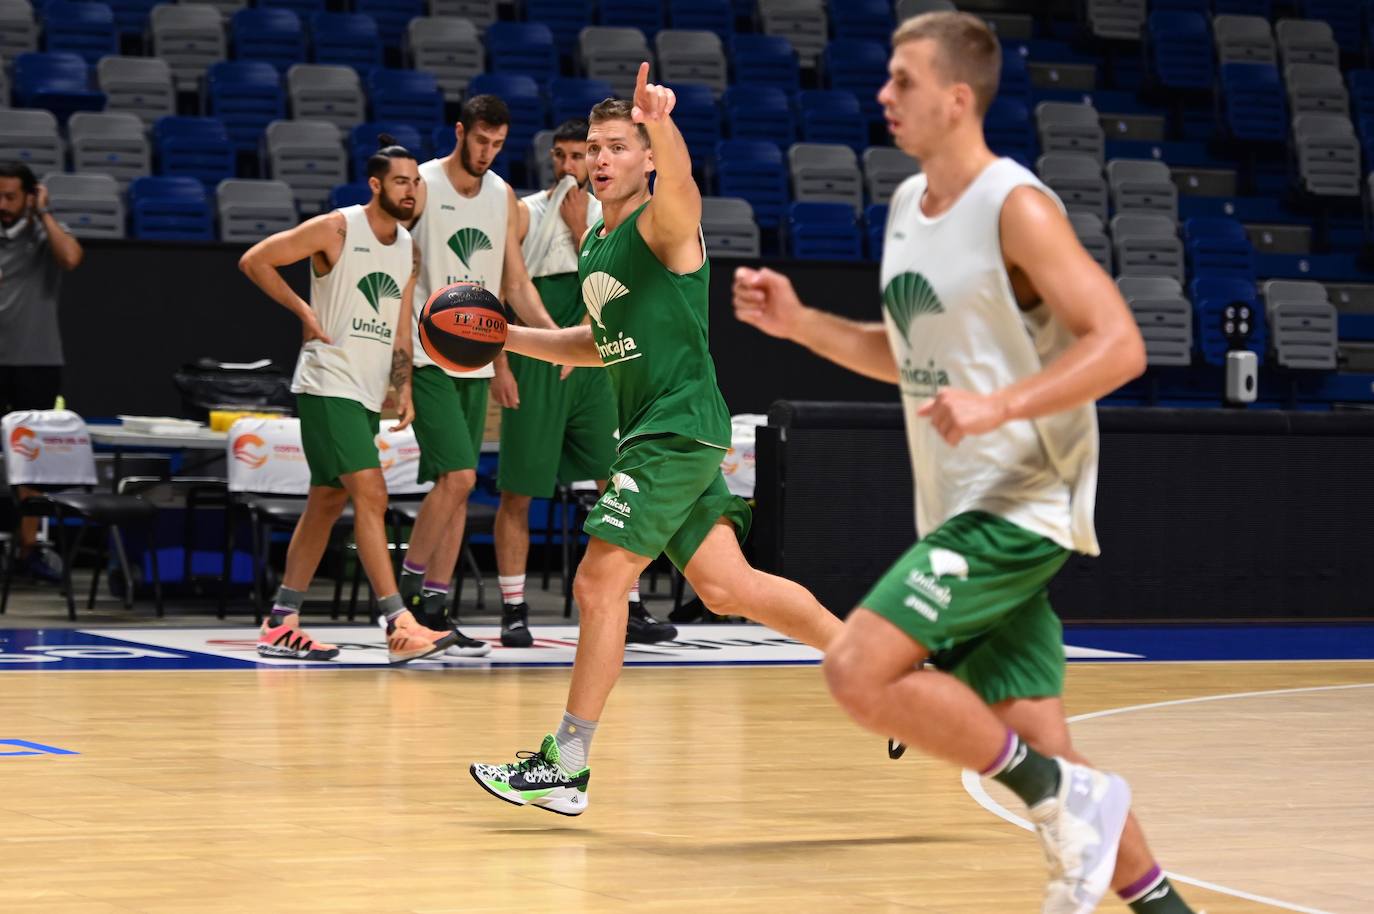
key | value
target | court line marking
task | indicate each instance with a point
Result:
(973, 784)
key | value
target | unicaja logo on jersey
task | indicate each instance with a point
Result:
(246, 451)
(598, 290)
(909, 296)
(24, 442)
(621, 485)
(379, 289)
(467, 242)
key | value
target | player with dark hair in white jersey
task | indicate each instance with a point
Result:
(466, 232)
(1001, 332)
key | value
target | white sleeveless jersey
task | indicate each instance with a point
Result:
(953, 321)
(462, 239)
(553, 250)
(357, 304)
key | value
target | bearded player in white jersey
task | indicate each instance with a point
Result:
(1001, 332)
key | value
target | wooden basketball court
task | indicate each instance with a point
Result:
(716, 789)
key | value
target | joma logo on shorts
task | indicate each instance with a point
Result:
(613, 521)
(921, 606)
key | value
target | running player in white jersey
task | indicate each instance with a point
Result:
(465, 233)
(564, 429)
(357, 340)
(1001, 332)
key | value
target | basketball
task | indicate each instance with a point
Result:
(462, 327)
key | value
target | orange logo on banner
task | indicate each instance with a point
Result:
(23, 441)
(245, 451)
(382, 447)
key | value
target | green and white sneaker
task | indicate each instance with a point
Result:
(536, 780)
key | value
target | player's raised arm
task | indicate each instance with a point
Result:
(765, 299)
(261, 263)
(673, 217)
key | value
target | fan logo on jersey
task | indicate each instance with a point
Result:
(927, 588)
(599, 289)
(466, 243)
(907, 297)
(621, 485)
(378, 289)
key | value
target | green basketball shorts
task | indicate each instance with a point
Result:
(339, 436)
(450, 416)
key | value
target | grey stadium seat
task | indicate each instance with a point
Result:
(1147, 244)
(802, 22)
(1142, 185)
(1116, 20)
(320, 92)
(1302, 324)
(1316, 89)
(227, 8)
(451, 49)
(825, 172)
(1069, 127)
(613, 54)
(251, 210)
(18, 30)
(689, 56)
(481, 13)
(30, 136)
(90, 205)
(309, 156)
(190, 37)
(1148, 286)
(729, 226)
(885, 167)
(1243, 39)
(1077, 180)
(110, 142)
(1328, 154)
(1307, 41)
(141, 86)
(1164, 316)
(908, 8)
(539, 160)
(1093, 236)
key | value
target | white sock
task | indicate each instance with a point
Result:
(512, 588)
(634, 592)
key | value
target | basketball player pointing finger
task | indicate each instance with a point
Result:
(644, 277)
(1000, 331)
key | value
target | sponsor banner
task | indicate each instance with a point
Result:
(47, 447)
(266, 456)
(399, 454)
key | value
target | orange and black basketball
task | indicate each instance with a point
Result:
(462, 327)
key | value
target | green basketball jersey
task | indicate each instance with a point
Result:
(650, 327)
(562, 298)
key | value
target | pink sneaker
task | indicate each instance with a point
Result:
(408, 640)
(288, 641)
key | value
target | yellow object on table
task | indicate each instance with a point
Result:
(221, 419)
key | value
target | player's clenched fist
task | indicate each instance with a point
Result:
(765, 299)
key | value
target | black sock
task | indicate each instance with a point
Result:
(1154, 894)
(1031, 776)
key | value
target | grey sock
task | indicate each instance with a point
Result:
(288, 601)
(574, 740)
(391, 606)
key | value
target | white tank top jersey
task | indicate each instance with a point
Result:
(953, 321)
(357, 304)
(550, 249)
(462, 239)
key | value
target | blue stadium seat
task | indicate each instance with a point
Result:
(1009, 130)
(875, 225)
(754, 170)
(274, 36)
(58, 81)
(170, 209)
(571, 96)
(350, 195)
(564, 18)
(521, 95)
(442, 140)
(831, 116)
(823, 231)
(765, 60)
(1014, 82)
(1342, 15)
(131, 16)
(193, 147)
(1253, 103)
(347, 39)
(524, 48)
(1218, 247)
(1204, 7)
(860, 67)
(302, 8)
(406, 97)
(1179, 48)
(645, 15)
(86, 29)
(1262, 8)
(362, 142)
(1361, 83)
(863, 20)
(246, 95)
(392, 16)
(698, 117)
(759, 113)
(1219, 300)
(705, 15)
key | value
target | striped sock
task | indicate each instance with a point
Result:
(1154, 894)
(574, 739)
(287, 603)
(1031, 776)
(512, 589)
(634, 592)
